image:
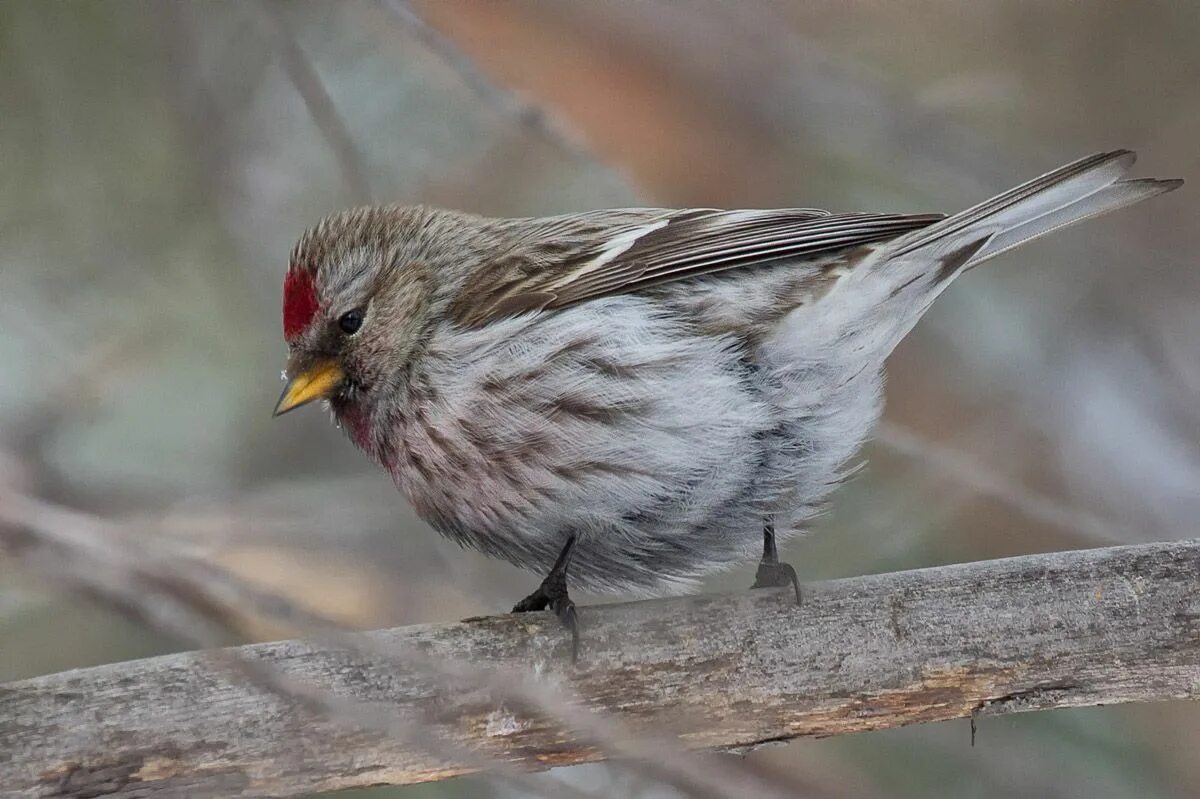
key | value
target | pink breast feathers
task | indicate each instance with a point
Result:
(299, 302)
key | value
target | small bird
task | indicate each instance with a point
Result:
(627, 400)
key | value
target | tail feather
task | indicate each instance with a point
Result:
(1110, 198)
(1080, 190)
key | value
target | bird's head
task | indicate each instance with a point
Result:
(356, 304)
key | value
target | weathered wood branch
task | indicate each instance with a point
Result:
(1061, 630)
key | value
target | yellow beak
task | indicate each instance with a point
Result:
(316, 382)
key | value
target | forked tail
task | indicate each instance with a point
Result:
(1080, 190)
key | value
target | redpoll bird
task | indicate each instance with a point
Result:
(633, 398)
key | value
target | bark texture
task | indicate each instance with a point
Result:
(1059, 630)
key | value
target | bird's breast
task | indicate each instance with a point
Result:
(611, 415)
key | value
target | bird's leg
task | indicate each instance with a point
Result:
(552, 594)
(771, 572)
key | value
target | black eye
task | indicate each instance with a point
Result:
(350, 321)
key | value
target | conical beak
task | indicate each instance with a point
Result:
(316, 382)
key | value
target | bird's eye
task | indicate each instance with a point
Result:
(350, 321)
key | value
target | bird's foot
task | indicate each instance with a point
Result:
(552, 595)
(773, 573)
(547, 597)
(777, 575)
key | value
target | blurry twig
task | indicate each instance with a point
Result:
(89, 375)
(73, 548)
(529, 114)
(202, 118)
(320, 105)
(968, 472)
(205, 606)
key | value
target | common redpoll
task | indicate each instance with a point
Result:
(633, 398)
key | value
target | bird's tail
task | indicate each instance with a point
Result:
(1080, 190)
(902, 278)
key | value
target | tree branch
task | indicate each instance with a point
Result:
(1061, 630)
(320, 105)
(528, 114)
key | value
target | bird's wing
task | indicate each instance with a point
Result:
(561, 261)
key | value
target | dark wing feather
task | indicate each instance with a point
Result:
(599, 254)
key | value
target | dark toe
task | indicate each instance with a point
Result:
(535, 601)
(777, 575)
(562, 606)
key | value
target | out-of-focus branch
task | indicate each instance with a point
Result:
(983, 480)
(1058, 630)
(192, 604)
(320, 105)
(203, 606)
(529, 115)
(90, 374)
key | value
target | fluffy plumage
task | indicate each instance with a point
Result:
(658, 383)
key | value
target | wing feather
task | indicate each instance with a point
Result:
(612, 252)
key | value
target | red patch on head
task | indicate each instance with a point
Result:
(299, 302)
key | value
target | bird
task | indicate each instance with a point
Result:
(627, 400)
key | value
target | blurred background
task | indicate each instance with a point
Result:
(158, 160)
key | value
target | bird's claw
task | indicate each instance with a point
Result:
(777, 575)
(547, 598)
